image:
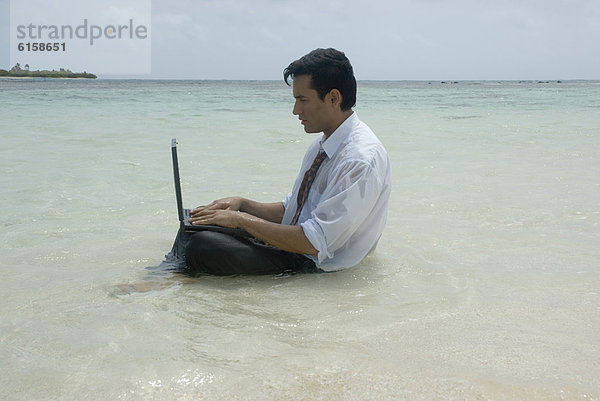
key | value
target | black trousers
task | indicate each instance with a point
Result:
(208, 252)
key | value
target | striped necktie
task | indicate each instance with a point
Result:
(307, 181)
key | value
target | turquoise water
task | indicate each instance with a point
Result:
(485, 284)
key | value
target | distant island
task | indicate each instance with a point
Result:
(24, 72)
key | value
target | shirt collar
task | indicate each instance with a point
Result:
(332, 143)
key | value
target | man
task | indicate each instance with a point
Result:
(336, 211)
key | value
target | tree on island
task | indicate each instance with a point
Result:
(17, 71)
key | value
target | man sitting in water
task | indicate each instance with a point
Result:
(337, 209)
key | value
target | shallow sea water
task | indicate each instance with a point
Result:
(485, 284)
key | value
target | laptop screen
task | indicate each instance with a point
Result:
(177, 182)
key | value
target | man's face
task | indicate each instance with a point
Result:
(314, 113)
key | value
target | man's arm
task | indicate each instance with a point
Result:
(285, 237)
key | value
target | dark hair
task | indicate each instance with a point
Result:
(329, 69)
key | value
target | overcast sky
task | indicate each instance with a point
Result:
(384, 39)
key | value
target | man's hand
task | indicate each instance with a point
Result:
(220, 217)
(268, 211)
(222, 212)
(233, 203)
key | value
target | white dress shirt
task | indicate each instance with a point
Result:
(346, 209)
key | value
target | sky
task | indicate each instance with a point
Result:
(384, 39)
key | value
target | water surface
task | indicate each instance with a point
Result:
(485, 284)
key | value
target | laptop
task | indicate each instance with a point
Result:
(184, 214)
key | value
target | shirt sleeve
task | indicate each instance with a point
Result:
(347, 201)
(286, 200)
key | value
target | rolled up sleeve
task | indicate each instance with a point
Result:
(316, 236)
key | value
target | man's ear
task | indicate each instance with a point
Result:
(335, 98)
